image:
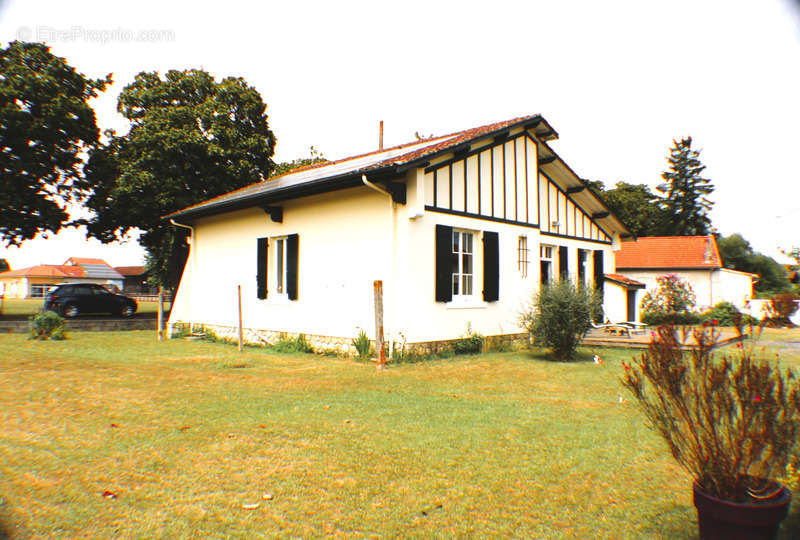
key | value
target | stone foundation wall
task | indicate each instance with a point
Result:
(344, 345)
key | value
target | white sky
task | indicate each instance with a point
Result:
(618, 80)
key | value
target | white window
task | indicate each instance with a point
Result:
(280, 265)
(462, 264)
(546, 263)
(522, 256)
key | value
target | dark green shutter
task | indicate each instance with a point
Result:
(563, 263)
(292, 252)
(261, 268)
(598, 271)
(491, 266)
(444, 263)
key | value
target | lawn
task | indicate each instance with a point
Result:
(187, 436)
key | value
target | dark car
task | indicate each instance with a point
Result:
(72, 299)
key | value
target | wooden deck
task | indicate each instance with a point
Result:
(640, 340)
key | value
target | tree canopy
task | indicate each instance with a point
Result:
(685, 202)
(737, 254)
(315, 156)
(637, 207)
(191, 138)
(45, 122)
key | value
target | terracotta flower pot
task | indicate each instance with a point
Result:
(719, 519)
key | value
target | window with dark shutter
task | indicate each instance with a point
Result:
(292, 254)
(444, 263)
(563, 263)
(261, 267)
(491, 266)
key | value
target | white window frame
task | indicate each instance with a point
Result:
(459, 278)
(546, 254)
(279, 266)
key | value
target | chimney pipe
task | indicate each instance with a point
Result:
(380, 138)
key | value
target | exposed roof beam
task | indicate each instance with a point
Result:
(600, 215)
(575, 189)
(546, 159)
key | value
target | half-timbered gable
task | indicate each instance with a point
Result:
(461, 229)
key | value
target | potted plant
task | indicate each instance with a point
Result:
(731, 422)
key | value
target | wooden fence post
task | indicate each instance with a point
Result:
(160, 315)
(239, 294)
(379, 346)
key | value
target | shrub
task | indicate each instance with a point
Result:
(731, 423)
(47, 325)
(559, 317)
(362, 345)
(296, 345)
(652, 318)
(470, 343)
(671, 296)
(784, 304)
(726, 314)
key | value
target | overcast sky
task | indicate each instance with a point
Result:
(618, 81)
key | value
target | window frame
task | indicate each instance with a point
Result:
(279, 244)
(546, 255)
(523, 253)
(457, 274)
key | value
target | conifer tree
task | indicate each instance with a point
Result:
(685, 203)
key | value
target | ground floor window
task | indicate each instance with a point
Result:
(38, 291)
(462, 271)
(546, 263)
(280, 265)
(522, 256)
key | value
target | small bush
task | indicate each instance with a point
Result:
(296, 345)
(559, 317)
(726, 314)
(652, 318)
(783, 305)
(47, 325)
(362, 345)
(470, 343)
(672, 296)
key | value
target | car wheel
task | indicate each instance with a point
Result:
(127, 310)
(70, 311)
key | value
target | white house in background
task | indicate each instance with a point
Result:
(462, 229)
(695, 259)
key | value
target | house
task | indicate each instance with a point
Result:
(694, 259)
(34, 281)
(461, 229)
(135, 280)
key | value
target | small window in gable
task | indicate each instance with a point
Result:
(522, 256)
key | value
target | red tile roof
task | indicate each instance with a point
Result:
(446, 142)
(46, 270)
(669, 252)
(625, 280)
(131, 270)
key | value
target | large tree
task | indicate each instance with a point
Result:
(685, 202)
(45, 123)
(737, 254)
(191, 138)
(637, 207)
(315, 156)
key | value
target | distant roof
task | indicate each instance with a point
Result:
(669, 252)
(45, 270)
(84, 260)
(625, 281)
(380, 160)
(131, 270)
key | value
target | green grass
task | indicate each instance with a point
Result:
(186, 433)
(30, 306)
